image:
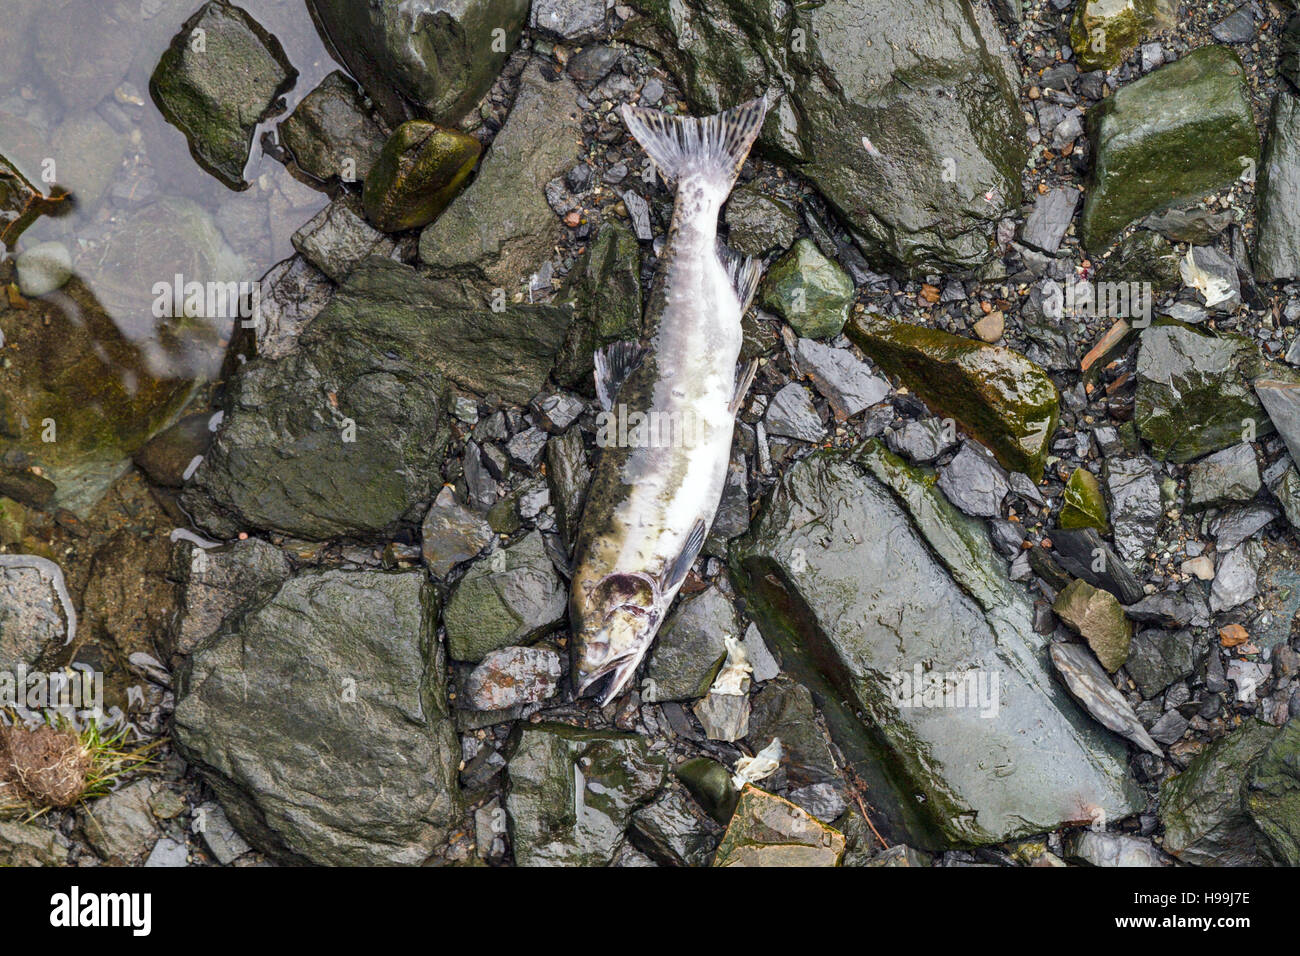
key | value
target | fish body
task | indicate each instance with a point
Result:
(669, 405)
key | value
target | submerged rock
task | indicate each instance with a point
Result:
(862, 574)
(433, 57)
(1002, 399)
(573, 792)
(1180, 132)
(767, 830)
(352, 758)
(417, 173)
(1277, 248)
(220, 77)
(919, 175)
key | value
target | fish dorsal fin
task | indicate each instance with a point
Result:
(614, 363)
(713, 147)
(676, 572)
(744, 273)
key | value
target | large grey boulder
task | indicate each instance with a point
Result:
(319, 718)
(1277, 248)
(863, 575)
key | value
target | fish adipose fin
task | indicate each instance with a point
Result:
(713, 147)
(744, 273)
(676, 572)
(614, 363)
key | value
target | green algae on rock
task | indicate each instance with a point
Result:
(330, 133)
(1104, 31)
(1001, 398)
(860, 573)
(1183, 130)
(1099, 619)
(419, 170)
(220, 77)
(1084, 506)
(809, 291)
(1273, 796)
(767, 830)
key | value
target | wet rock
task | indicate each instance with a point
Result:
(973, 482)
(592, 64)
(352, 759)
(785, 710)
(26, 844)
(573, 792)
(217, 85)
(1083, 505)
(527, 447)
(575, 20)
(1172, 609)
(37, 617)
(513, 676)
(710, 784)
(922, 442)
(1236, 580)
(891, 583)
(43, 268)
(168, 458)
(769, 831)
(220, 837)
(724, 717)
(1224, 477)
(436, 58)
(758, 224)
(1170, 727)
(809, 291)
(1177, 133)
(1236, 27)
(998, 396)
(1143, 256)
(1194, 391)
(1135, 507)
(690, 649)
(505, 601)
(1234, 525)
(1193, 224)
(1089, 685)
(821, 800)
(1085, 555)
(898, 855)
(1289, 51)
(338, 239)
(758, 655)
(120, 827)
(1159, 657)
(499, 231)
(568, 476)
(419, 171)
(1050, 219)
(1277, 248)
(330, 134)
(214, 584)
(293, 293)
(451, 534)
(88, 55)
(1202, 809)
(1281, 399)
(791, 414)
(675, 831)
(604, 291)
(1102, 33)
(1273, 796)
(1214, 277)
(919, 177)
(1099, 848)
(1098, 617)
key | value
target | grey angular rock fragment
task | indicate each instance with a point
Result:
(1135, 507)
(924, 441)
(451, 534)
(512, 676)
(1157, 658)
(689, 649)
(217, 582)
(974, 481)
(1091, 687)
(846, 382)
(1226, 476)
(791, 414)
(1236, 580)
(1050, 219)
(1277, 247)
(219, 835)
(338, 239)
(37, 617)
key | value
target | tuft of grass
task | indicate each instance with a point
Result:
(57, 766)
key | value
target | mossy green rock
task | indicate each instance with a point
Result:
(809, 291)
(858, 571)
(916, 138)
(1180, 132)
(436, 58)
(1103, 31)
(1195, 393)
(573, 792)
(604, 292)
(1084, 505)
(319, 717)
(767, 830)
(1203, 809)
(418, 172)
(217, 85)
(1273, 796)
(331, 133)
(710, 784)
(1001, 398)
(1099, 618)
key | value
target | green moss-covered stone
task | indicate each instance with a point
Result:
(1001, 398)
(1099, 618)
(418, 172)
(1103, 31)
(1176, 134)
(710, 784)
(1084, 505)
(809, 291)
(758, 224)
(1273, 796)
(767, 830)
(604, 292)
(331, 134)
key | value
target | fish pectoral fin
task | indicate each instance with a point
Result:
(676, 572)
(743, 382)
(614, 363)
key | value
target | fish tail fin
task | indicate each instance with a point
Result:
(713, 147)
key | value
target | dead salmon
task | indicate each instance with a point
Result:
(668, 405)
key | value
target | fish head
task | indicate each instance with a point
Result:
(614, 624)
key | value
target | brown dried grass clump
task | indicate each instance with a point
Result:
(44, 768)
